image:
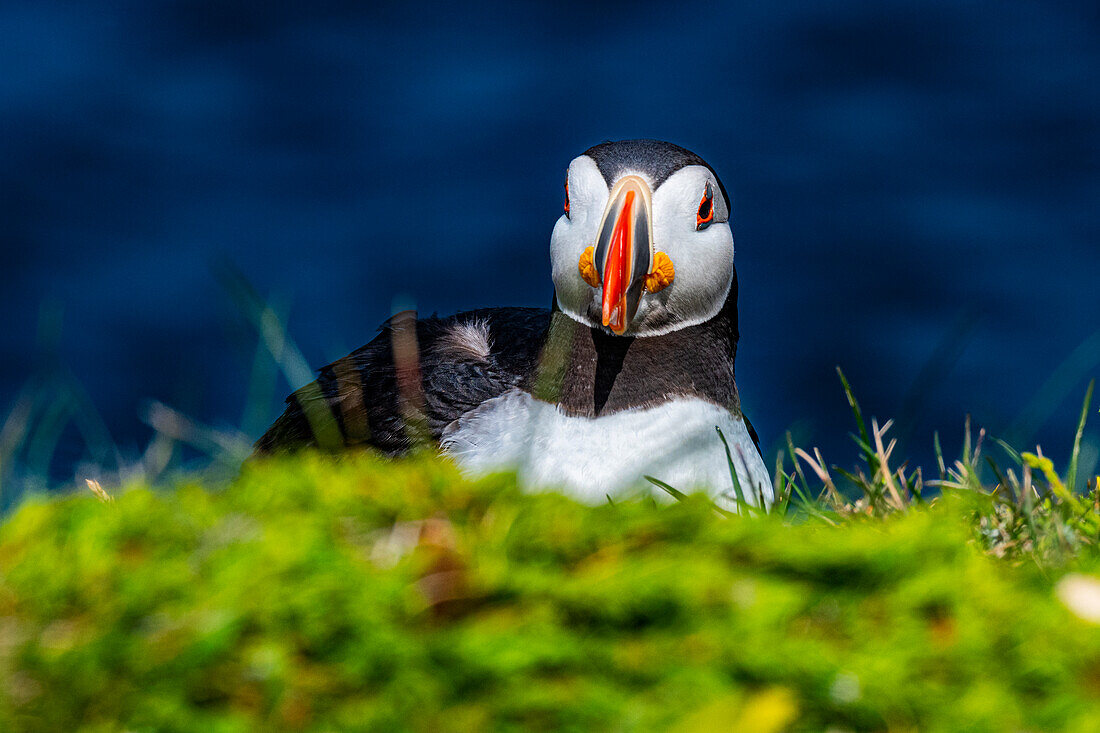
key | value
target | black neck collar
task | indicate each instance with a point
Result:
(588, 372)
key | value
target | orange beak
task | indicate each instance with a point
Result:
(624, 251)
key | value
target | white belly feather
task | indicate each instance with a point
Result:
(591, 458)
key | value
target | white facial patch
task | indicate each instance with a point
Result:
(703, 259)
(591, 458)
(588, 195)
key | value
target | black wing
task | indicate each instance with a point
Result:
(371, 398)
(752, 434)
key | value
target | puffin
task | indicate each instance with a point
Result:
(624, 385)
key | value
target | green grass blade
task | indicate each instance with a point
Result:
(805, 490)
(939, 455)
(853, 403)
(1001, 480)
(733, 471)
(781, 486)
(1012, 452)
(1071, 472)
(678, 495)
(670, 490)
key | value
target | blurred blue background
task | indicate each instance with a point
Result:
(915, 191)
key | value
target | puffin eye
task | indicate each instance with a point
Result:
(567, 198)
(705, 214)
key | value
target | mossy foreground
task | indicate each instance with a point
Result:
(366, 595)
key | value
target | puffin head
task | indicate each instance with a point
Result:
(644, 246)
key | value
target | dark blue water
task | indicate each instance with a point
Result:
(915, 188)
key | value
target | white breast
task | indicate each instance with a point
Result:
(592, 458)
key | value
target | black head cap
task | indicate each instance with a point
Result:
(655, 158)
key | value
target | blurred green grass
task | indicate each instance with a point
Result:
(364, 594)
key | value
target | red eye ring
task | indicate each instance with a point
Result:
(567, 197)
(705, 215)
